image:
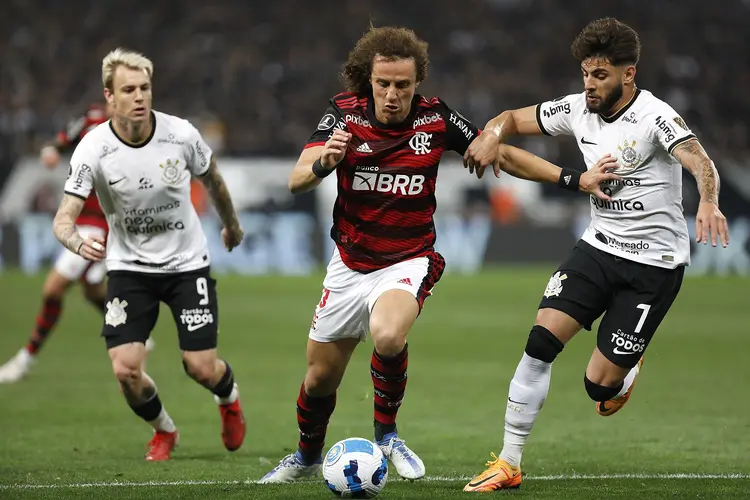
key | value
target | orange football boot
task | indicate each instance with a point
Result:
(500, 475)
(161, 445)
(607, 408)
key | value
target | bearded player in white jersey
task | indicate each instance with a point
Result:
(140, 163)
(629, 263)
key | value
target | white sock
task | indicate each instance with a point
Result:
(526, 395)
(629, 378)
(229, 399)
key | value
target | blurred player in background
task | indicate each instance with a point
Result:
(141, 163)
(385, 142)
(629, 264)
(69, 267)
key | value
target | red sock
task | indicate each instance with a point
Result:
(45, 322)
(313, 414)
(389, 385)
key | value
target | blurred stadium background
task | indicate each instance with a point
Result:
(255, 77)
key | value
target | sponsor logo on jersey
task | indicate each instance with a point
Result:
(420, 143)
(357, 120)
(617, 205)
(558, 107)
(81, 171)
(201, 154)
(626, 344)
(426, 120)
(632, 247)
(108, 150)
(457, 120)
(170, 139)
(630, 118)
(403, 184)
(142, 212)
(148, 225)
(666, 128)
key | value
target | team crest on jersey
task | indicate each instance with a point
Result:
(420, 143)
(629, 157)
(116, 314)
(172, 173)
(555, 286)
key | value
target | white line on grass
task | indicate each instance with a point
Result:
(433, 479)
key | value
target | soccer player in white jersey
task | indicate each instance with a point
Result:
(629, 263)
(140, 163)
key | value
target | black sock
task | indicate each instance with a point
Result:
(224, 388)
(149, 410)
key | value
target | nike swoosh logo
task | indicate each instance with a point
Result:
(584, 141)
(111, 183)
(516, 402)
(482, 481)
(617, 350)
(603, 408)
(196, 326)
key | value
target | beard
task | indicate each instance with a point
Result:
(606, 103)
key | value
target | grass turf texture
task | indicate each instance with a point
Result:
(66, 425)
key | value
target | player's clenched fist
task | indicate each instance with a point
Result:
(335, 149)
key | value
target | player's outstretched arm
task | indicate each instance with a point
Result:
(709, 220)
(67, 233)
(482, 152)
(232, 233)
(524, 165)
(317, 162)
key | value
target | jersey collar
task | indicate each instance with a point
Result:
(148, 139)
(616, 116)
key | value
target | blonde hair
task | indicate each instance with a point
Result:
(127, 58)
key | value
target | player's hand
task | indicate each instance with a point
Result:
(483, 152)
(93, 249)
(49, 156)
(335, 149)
(232, 237)
(711, 221)
(591, 180)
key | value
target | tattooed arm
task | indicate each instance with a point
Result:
(709, 219)
(64, 225)
(222, 201)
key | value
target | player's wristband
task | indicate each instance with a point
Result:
(320, 171)
(78, 250)
(569, 179)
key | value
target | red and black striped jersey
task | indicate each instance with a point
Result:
(386, 182)
(66, 140)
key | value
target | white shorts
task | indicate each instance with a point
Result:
(74, 267)
(349, 296)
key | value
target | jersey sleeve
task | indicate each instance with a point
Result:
(198, 154)
(668, 129)
(80, 179)
(330, 121)
(459, 131)
(556, 117)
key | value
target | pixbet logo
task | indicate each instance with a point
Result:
(407, 185)
(426, 120)
(196, 319)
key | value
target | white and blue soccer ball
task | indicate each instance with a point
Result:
(355, 468)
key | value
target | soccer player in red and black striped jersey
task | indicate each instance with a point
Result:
(69, 267)
(385, 142)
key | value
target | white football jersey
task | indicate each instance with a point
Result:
(145, 193)
(644, 221)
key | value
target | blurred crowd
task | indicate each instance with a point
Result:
(256, 75)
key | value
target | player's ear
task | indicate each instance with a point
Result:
(629, 75)
(109, 96)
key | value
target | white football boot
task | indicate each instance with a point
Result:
(407, 463)
(290, 469)
(17, 367)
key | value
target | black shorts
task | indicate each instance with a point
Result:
(133, 307)
(633, 297)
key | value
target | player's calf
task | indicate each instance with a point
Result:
(217, 376)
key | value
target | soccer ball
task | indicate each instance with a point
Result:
(355, 468)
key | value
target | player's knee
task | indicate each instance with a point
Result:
(128, 374)
(600, 393)
(543, 345)
(202, 371)
(388, 339)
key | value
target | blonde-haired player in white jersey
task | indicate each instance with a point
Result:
(629, 263)
(140, 163)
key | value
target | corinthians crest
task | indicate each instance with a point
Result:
(629, 157)
(555, 285)
(172, 172)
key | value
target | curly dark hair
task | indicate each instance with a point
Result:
(608, 38)
(390, 42)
